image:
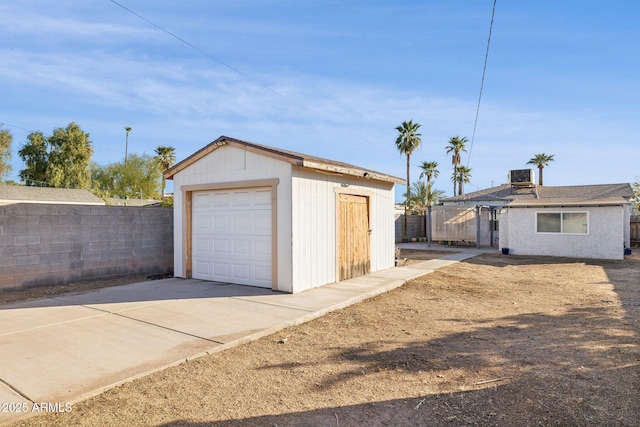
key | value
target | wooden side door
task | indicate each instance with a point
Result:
(354, 257)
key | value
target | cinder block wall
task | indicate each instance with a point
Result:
(44, 245)
(415, 227)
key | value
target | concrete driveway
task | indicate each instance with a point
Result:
(66, 348)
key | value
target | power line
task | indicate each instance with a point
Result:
(484, 70)
(232, 68)
(191, 45)
(33, 131)
(14, 126)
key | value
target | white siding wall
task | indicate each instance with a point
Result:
(605, 238)
(627, 225)
(314, 225)
(503, 228)
(231, 164)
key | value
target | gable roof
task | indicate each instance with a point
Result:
(297, 159)
(583, 195)
(10, 194)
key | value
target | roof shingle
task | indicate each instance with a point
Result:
(10, 194)
(512, 195)
(298, 159)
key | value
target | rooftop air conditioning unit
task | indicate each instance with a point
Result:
(521, 177)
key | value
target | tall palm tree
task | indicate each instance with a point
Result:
(408, 140)
(463, 177)
(456, 145)
(166, 157)
(430, 170)
(541, 160)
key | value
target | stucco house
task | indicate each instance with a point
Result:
(256, 215)
(11, 194)
(585, 221)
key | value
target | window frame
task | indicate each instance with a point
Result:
(562, 221)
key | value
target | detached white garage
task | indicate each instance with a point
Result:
(255, 215)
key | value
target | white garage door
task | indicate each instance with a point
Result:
(231, 236)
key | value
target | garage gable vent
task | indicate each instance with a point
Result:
(521, 177)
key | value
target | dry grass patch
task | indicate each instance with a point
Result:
(496, 340)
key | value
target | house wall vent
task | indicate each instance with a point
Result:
(522, 177)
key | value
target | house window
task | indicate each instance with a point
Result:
(562, 222)
(493, 223)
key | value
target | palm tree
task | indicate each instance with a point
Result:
(434, 196)
(417, 200)
(407, 141)
(429, 169)
(456, 145)
(166, 157)
(463, 177)
(423, 197)
(541, 160)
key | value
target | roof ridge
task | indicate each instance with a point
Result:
(296, 158)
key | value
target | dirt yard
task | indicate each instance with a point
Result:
(492, 341)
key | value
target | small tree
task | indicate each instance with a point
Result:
(636, 192)
(69, 158)
(35, 155)
(138, 178)
(421, 199)
(417, 199)
(5, 153)
(61, 160)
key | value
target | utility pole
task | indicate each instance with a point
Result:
(126, 147)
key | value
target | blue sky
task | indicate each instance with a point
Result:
(334, 79)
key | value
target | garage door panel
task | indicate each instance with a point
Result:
(241, 247)
(221, 199)
(262, 247)
(262, 222)
(221, 246)
(242, 222)
(221, 222)
(202, 246)
(242, 198)
(221, 270)
(202, 267)
(241, 271)
(263, 273)
(233, 235)
(202, 223)
(262, 198)
(201, 201)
